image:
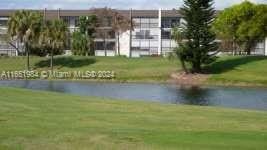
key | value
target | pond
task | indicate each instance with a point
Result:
(233, 97)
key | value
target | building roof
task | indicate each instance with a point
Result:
(52, 14)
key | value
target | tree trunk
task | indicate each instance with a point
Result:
(105, 47)
(183, 66)
(28, 56)
(233, 48)
(249, 52)
(196, 67)
(51, 60)
(248, 47)
(118, 38)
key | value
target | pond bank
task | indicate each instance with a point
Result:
(207, 80)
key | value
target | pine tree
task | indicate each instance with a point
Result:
(200, 46)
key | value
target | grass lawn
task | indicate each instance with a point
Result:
(239, 70)
(42, 120)
(138, 69)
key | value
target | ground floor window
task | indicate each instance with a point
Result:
(105, 45)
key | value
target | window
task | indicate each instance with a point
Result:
(99, 46)
(139, 35)
(166, 34)
(145, 22)
(102, 45)
(135, 48)
(66, 20)
(3, 21)
(175, 22)
(145, 45)
(144, 34)
(76, 21)
(105, 34)
(110, 45)
(170, 22)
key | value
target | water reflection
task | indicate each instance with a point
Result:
(193, 96)
(235, 97)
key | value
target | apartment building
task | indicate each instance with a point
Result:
(151, 34)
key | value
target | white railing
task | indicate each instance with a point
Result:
(8, 52)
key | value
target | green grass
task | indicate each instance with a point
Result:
(238, 70)
(139, 69)
(42, 120)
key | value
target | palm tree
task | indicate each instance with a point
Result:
(87, 29)
(108, 17)
(178, 36)
(79, 44)
(105, 22)
(120, 24)
(53, 37)
(24, 26)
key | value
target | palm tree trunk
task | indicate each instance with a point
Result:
(105, 46)
(118, 39)
(28, 56)
(86, 36)
(51, 60)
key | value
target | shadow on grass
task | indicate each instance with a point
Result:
(66, 62)
(222, 66)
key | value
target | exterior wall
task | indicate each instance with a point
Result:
(159, 41)
(159, 34)
(125, 44)
(99, 53)
(146, 36)
(265, 45)
(5, 48)
(103, 53)
(259, 49)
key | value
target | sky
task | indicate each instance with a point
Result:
(117, 4)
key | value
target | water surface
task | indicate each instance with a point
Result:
(233, 97)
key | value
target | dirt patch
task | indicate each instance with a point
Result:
(182, 78)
